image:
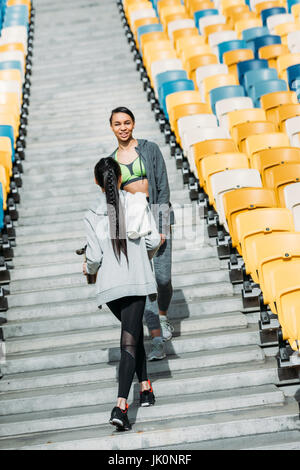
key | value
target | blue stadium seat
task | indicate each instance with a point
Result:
(149, 28)
(169, 76)
(172, 87)
(201, 13)
(224, 92)
(251, 33)
(251, 64)
(269, 12)
(11, 64)
(293, 73)
(261, 41)
(267, 86)
(230, 46)
(253, 76)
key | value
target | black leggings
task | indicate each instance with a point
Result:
(129, 311)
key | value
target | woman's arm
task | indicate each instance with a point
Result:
(162, 183)
(93, 253)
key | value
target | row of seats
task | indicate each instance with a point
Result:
(223, 77)
(16, 38)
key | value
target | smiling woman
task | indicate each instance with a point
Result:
(143, 170)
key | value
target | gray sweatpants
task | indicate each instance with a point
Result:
(162, 263)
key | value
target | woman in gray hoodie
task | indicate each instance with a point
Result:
(124, 279)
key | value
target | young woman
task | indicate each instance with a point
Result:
(144, 170)
(124, 279)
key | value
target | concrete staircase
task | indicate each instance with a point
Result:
(217, 388)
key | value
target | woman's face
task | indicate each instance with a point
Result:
(122, 126)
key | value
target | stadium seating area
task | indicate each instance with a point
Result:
(223, 79)
(16, 36)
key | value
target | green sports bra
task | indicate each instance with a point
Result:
(131, 172)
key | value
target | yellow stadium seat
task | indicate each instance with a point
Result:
(270, 158)
(180, 98)
(212, 147)
(285, 112)
(231, 13)
(158, 55)
(285, 61)
(192, 51)
(284, 29)
(193, 63)
(153, 37)
(258, 224)
(295, 9)
(231, 58)
(142, 22)
(272, 52)
(256, 143)
(215, 81)
(246, 20)
(180, 34)
(6, 156)
(277, 177)
(186, 42)
(246, 129)
(259, 7)
(245, 199)
(215, 28)
(240, 116)
(271, 101)
(186, 109)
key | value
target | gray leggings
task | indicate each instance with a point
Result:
(162, 266)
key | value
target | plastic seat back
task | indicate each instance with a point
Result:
(212, 147)
(249, 34)
(285, 61)
(291, 194)
(216, 163)
(208, 71)
(244, 115)
(223, 107)
(263, 41)
(266, 13)
(184, 110)
(227, 46)
(256, 143)
(293, 41)
(274, 20)
(202, 13)
(279, 176)
(216, 81)
(186, 123)
(271, 52)
(254, 128)
(210, 20)
(270, 158)
(293, 73)
(177, 25)
(164, 65)
(225, 92)
(193, 136)
(270, 101)
(253, 76)
(232, 58)
(265, 87)
(173, 87)
(253, 225)
(246, 65)
(169, 76)
(180, 98)
(230, 180)
(245, 199)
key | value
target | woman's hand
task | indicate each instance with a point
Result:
(162, 238)
(84, 269)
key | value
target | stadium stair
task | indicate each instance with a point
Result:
(218, 388)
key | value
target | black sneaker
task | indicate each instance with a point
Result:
(119, 419)
(147, 397)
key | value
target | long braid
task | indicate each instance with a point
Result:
(107, 173)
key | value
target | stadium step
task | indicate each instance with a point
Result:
(217, 387)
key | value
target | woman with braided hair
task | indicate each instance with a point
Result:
(143, 170)
(124, 280)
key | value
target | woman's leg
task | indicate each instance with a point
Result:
(132, 309)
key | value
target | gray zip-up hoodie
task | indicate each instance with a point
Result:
(118, 279)
(159, 191)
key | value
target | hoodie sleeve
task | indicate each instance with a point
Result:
(162, 182)
(94, 253)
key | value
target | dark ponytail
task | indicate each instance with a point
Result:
(107, 173)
